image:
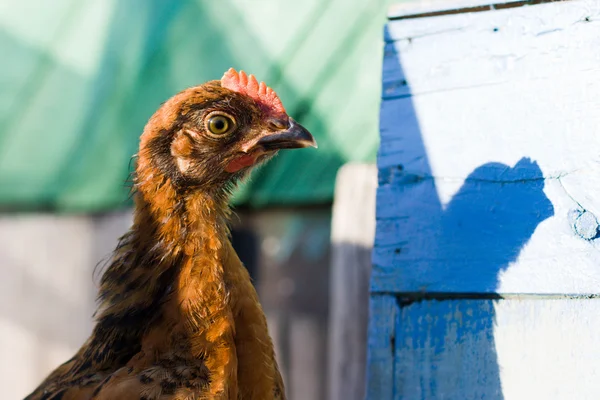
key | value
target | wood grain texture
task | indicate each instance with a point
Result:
(489, 146)
(484, 349)
(486, 272)
(353, 232)
(383, 311)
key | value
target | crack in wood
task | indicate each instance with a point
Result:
(474, 9)
(408, 298)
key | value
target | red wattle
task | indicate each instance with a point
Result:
(240, 162)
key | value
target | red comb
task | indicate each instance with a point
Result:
(248, 85)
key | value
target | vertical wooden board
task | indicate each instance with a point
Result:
(489, 152)
(293, 250)
(504, 349)
(445, 350)
(304, 359)
(383, 309)
(352, 235)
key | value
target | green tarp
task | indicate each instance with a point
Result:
(79, 79)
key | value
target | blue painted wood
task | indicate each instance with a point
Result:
(464, 245)
(380, 354)
(446, 350)
(496, 349)
(481, 192)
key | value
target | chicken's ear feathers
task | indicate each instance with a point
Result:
(182, 147)
(247, 84)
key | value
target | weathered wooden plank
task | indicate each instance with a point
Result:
(294, 250)
(506, 349)
(352, 235)
(497, 47)
(424, 8)
(489, 152)
(483, 241)
(304, 371)
(383, 311)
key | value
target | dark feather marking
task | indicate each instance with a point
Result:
(54, 395)
(97, 390)
(168, 387)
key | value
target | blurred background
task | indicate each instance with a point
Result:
(79, 79)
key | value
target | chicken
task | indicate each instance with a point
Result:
(178, 316)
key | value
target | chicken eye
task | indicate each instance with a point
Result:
(219, 124)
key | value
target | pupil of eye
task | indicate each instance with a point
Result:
(219, 125)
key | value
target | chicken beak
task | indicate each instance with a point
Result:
(294, 137)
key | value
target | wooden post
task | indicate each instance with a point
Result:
(353, 231)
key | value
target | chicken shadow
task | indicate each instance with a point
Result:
(480, 233)
(450, 257)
